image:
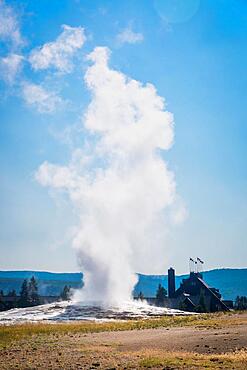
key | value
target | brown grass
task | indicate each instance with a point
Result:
(190, 360)
(11, 333)
(62, 345)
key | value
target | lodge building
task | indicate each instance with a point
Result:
(193, 295)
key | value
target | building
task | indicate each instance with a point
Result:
(194, 294)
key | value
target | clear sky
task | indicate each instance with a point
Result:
(194, 52)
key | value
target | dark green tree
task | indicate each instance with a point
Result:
(11, 293)
(241, 303)
(2, 304)
(140, 296)
(161, 294)
(33, 295)
(65, 294)
(237, 302)
(24, 295)
(12, 300)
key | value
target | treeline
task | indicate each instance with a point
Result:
(161, 294)
(28, 296)
(241, 303)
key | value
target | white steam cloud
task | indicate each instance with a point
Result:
(118, 181)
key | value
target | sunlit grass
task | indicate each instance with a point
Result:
(190, 360)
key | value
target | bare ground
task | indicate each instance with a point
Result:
(218, 343)
(176, 339)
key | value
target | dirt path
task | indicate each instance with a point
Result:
(176, 339)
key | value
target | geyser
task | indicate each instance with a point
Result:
(118, 181)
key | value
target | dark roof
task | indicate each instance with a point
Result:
(187, 299)
(212, 293)
(197, 277)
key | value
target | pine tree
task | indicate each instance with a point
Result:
(237, 302)
(161, 294)
(24, 295)
(11, 293)
(65, 294)
(2, 305)
(34, 298)
(241, 303)
(12, 302)
(141, 296)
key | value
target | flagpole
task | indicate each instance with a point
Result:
(191, 265)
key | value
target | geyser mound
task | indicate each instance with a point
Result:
(76, 311)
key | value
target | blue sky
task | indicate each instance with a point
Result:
(195, 54)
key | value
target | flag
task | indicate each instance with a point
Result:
(191, 259)
(198, 259)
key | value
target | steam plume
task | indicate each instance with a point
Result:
(118, 181)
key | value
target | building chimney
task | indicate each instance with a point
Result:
(171, 282)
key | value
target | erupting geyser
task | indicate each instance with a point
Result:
(118, 182)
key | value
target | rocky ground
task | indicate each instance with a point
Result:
(219, 342)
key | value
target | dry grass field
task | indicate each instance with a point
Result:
(210, 341)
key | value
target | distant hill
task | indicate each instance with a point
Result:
(230, 282)
(50, 283)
